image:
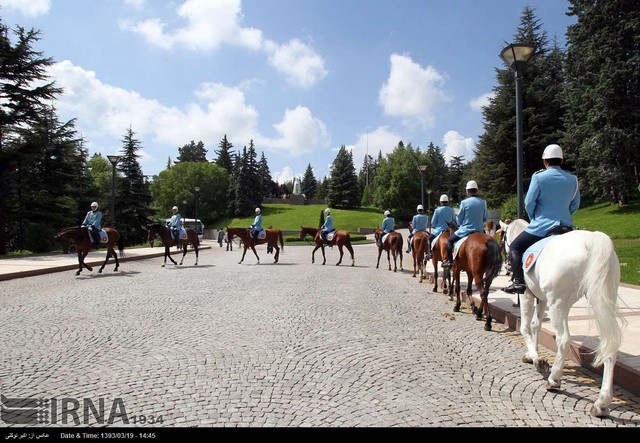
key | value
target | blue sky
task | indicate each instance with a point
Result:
(299, 77)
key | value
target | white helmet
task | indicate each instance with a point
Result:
(94, 204)
(327, 211)
(419, 208)
(175, 208)
(257, 210)
(387, 213)
(471, 184)
(444, 198)
(552, 151)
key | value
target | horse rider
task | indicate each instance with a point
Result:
(443, 214)
(388, 224)
(327, 226)
(92, 223)
(174, 224)
(471, 218)
(419, 222)
(552, 199)
(256, 227)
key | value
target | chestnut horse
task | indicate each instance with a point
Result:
(244, 234)
(480, 257)
(83, 244)
(439, 254)
(418, 250)
(393, 245)
(340, 238)
(159, 229)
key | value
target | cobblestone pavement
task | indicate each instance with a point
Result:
(288, 344)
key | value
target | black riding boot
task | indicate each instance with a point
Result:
(409, 243)
(517, 286)
(447, 264)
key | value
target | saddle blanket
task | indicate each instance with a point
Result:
(182, 233)
(384, 237)
(330, 235)
(532, 254)
(104, 238)
(456, 247)
(435, 241)
(262, 234)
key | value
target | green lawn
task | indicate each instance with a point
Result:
(291, 217)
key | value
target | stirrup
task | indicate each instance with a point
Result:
(446, 264)
(515, 288)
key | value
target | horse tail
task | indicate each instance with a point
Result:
(493, 262)
(121, 246)
(599, 284)
(281, 240)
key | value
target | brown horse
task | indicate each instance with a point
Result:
(418, 250)
(83, 244)
(340, 238)
(159, 229)
(393, 245)
(479, 256)
(272, 237)
(439, 254)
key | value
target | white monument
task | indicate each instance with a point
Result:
(296, 186)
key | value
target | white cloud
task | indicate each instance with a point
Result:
(285, 175)
(29, 8)
(456, 145)
(105, 110)
(412, 92)
(480, 102)
(211, 24)
(379, 140)
(300, 63)
(299, 133)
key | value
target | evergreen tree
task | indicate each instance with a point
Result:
(192, 152)
(25, 91)
(321, 188)
(495, 163)
(255, 187)
(264, 178)
(343, 185)
(225, 156)
(233, 183)
(436, 176)
(366, 180)
(308, 184)
(603, 97)
(247, 190)
(133, 198)
(169, 163)
(455, 184)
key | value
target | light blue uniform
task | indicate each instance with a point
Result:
(257, 223)
(328, 224)
(472, 216)
(93, 219)
(419, 223)
(441, 216)
(547, 197)
(174, 223)
(388, 224)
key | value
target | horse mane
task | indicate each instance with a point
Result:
(69, 229)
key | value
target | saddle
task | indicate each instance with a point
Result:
(559, 230)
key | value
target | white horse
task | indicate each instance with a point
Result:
(572, 265)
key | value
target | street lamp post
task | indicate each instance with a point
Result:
(516, 56)
(197, 189)
(114, 159)
(184, 205)
(422, 169)
(429, 191)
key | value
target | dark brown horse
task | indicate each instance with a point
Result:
(161, 230)
(83, 244)
(392, 244)
(340, 238)
(272, 238)
(418, 250)
(479, 256)
(439, 254)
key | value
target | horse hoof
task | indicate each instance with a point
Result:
(596, 411)
(542, 366)
(528, 360)
(487, 327)
(550, 386)
(78, 273)
(100, 271)
(456, 308)
(162, 266)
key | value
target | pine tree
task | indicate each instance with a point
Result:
(343, 185)
(169, 163)
(133, 198)
(437, 174)
(495, 163)
(225, 158)
(192, 152)
(25, 91)
(308, 184)
(264, 178)
(603, 97)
